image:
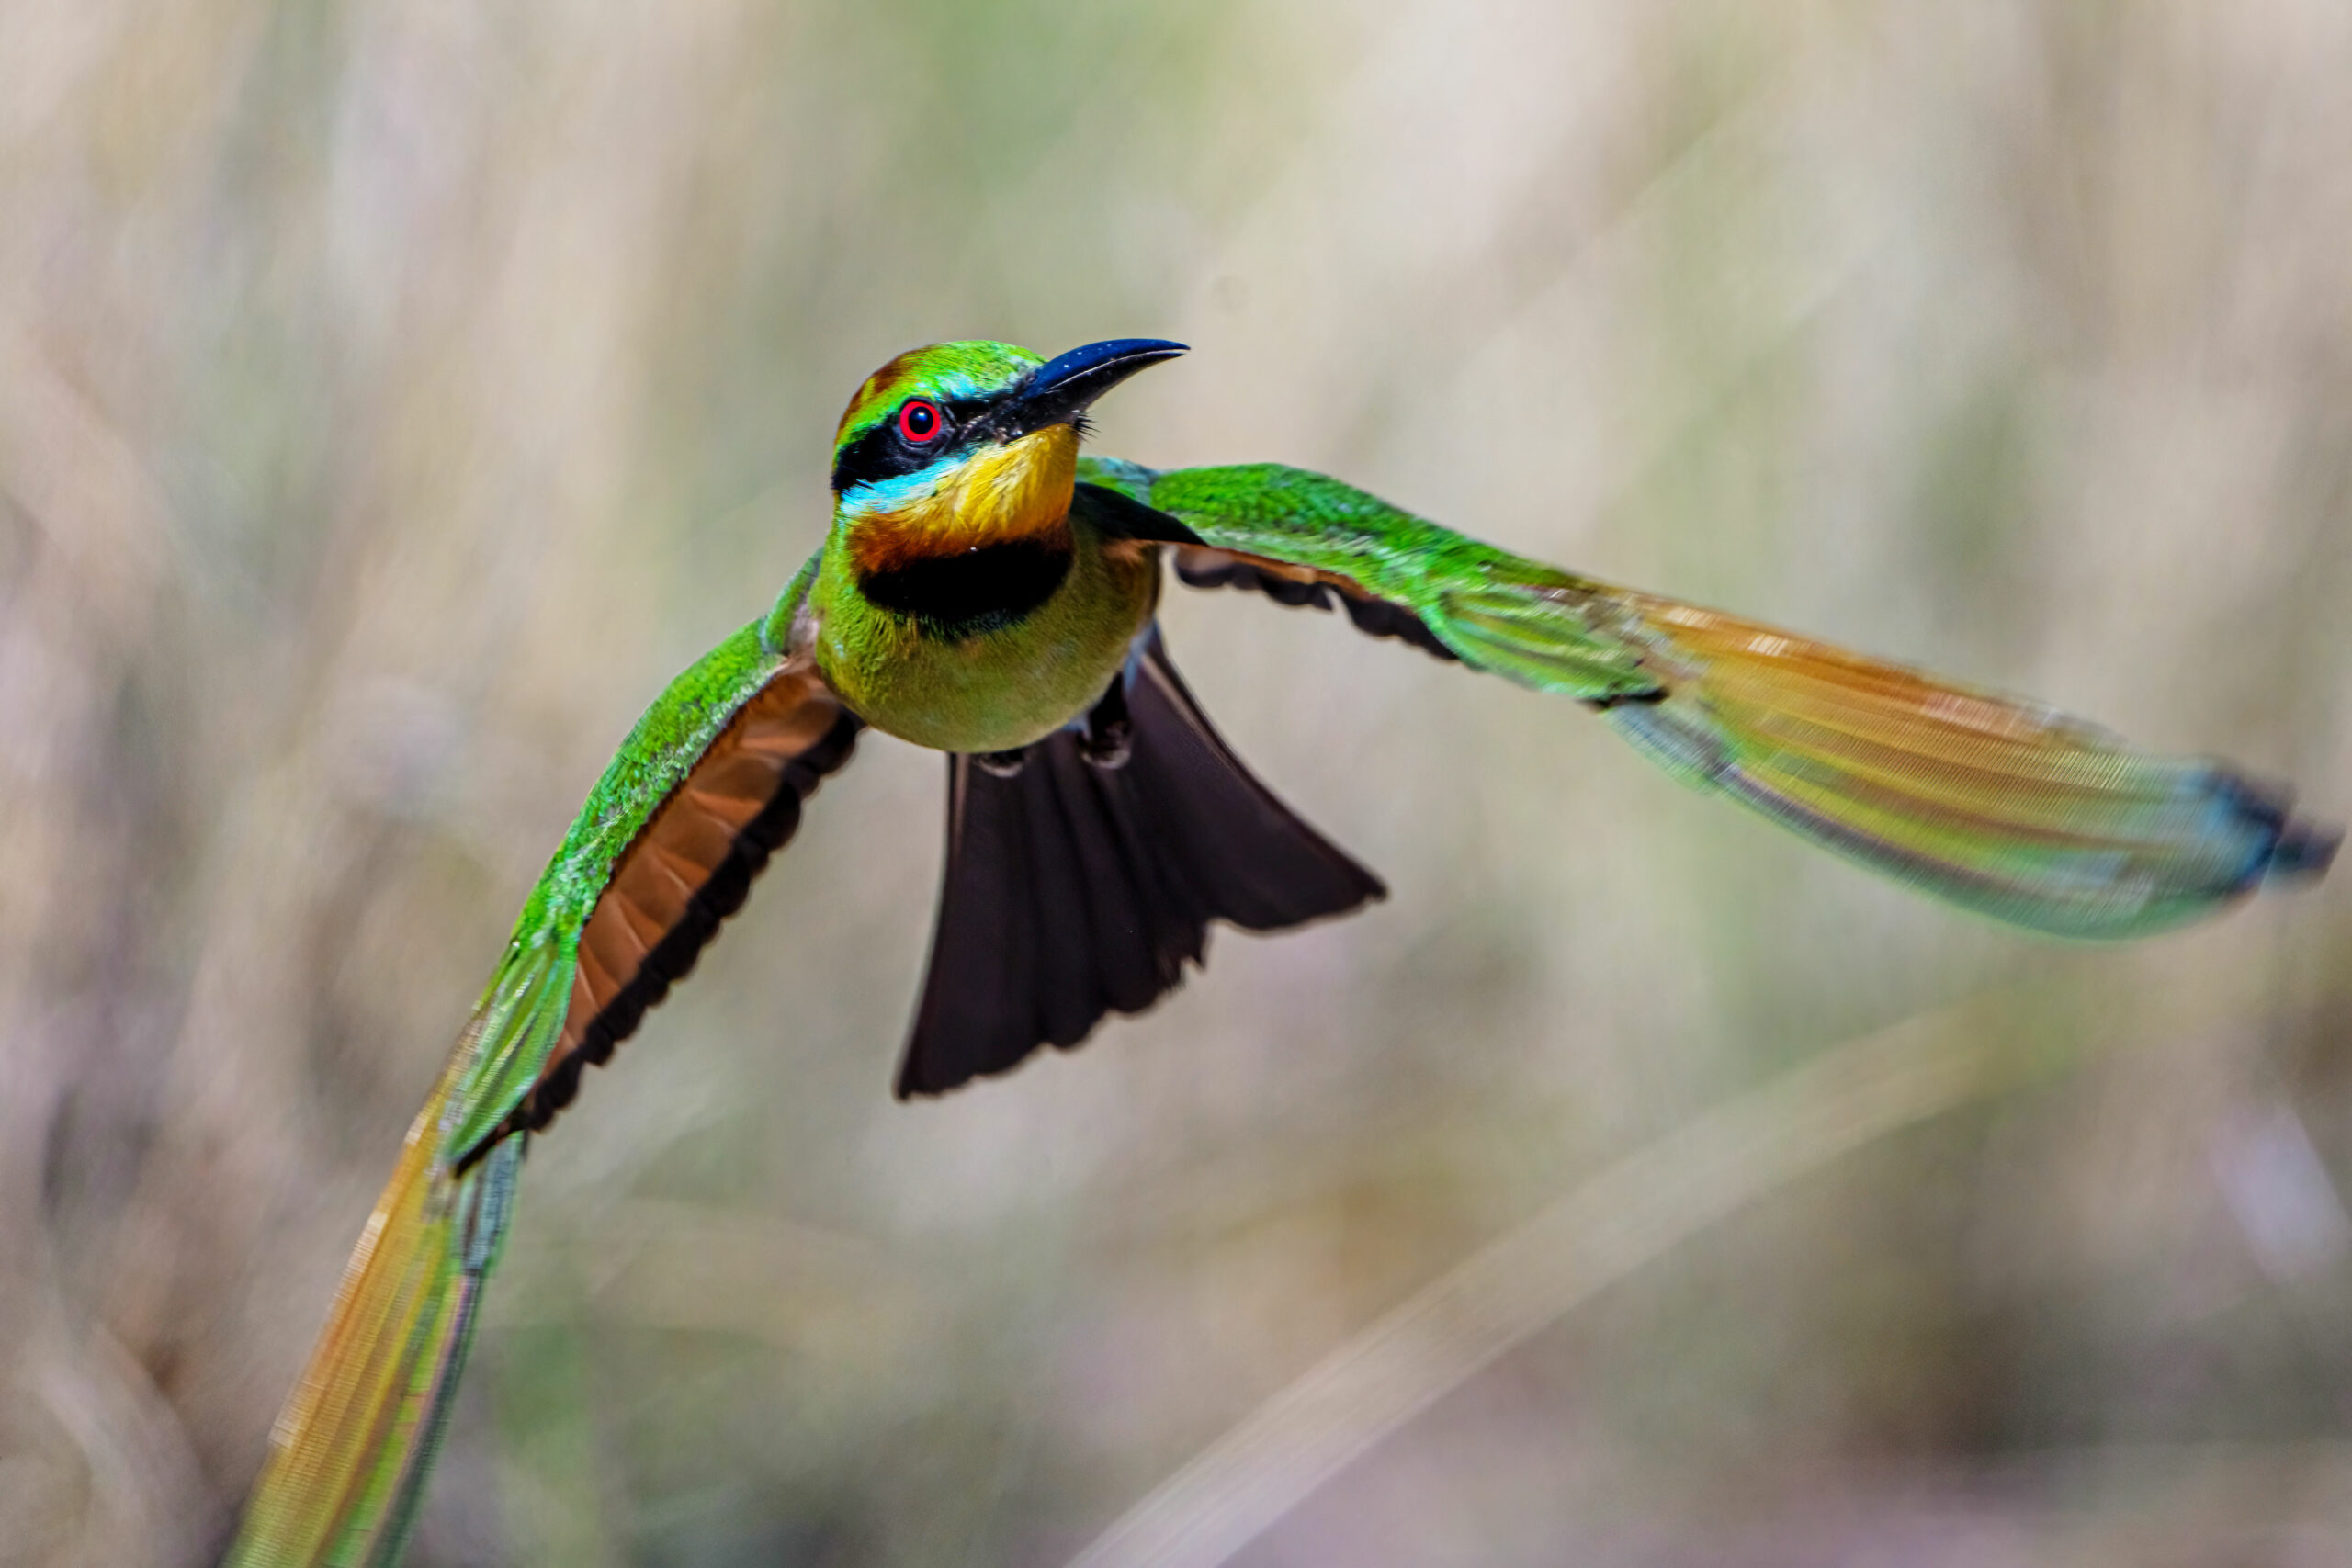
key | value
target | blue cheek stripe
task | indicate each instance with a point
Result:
(895, 493)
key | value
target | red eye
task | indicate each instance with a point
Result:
(919, 420)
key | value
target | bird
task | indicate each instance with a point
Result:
(987, 590)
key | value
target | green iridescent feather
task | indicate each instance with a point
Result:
(2000, 806)
(1997, 805)
(347, 1466)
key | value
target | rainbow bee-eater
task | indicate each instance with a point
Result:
(986, 590)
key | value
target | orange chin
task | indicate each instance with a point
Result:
(1017, 491)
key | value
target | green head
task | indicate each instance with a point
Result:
(959, 423)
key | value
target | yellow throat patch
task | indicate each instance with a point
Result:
(1017, 491)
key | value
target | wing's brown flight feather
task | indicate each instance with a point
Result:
(611, 952)
(690, 867)
(696, 836)
(1203, 566)
(2006, 805)
(662, 873)
(645, 926)
(737, 788)
(604, 982)
(584, 1002)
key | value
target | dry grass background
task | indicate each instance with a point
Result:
(392, 395)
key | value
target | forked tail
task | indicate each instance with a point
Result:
(1082, 873)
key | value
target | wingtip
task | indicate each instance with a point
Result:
(2298, 851)
(2304, 851)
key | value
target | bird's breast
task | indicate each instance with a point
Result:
(986, 649)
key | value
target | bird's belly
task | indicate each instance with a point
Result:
(998, 689)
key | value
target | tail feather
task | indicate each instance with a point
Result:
(1083, 874)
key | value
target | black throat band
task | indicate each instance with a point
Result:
(982, 589)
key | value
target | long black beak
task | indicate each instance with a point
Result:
(1061, 389)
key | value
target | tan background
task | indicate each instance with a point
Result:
(394, 395)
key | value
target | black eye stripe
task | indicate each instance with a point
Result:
(882, 453)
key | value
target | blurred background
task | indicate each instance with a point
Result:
(395, 393)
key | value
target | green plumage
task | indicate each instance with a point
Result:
(972, 595)
(660, 750)
(995, 688)
(1497, 611)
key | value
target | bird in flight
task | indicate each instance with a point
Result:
(987, 591)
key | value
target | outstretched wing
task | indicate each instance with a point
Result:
(349, 1454)
(2008, 808)
(709, 784)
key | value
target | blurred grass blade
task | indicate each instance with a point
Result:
(1605, 1228)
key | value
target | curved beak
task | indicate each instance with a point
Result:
(1062, 388)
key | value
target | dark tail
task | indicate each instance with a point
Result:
(1083, 871)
